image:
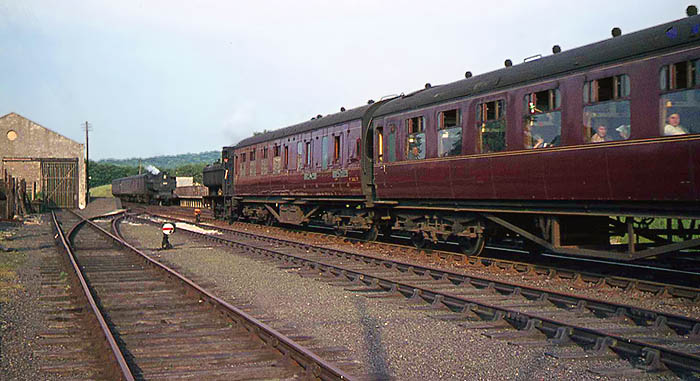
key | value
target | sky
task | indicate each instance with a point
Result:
(170, 77)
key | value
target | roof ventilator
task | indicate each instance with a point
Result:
(616, 32)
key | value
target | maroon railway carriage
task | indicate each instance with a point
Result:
(309, 171)
(580, 152)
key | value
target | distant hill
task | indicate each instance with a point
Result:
(167, 162)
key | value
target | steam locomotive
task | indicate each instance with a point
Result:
(149, 188)
(579, 153)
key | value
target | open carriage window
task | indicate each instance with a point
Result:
(308, 154)
(450, 133)
(380, 144)
(606, 116)
(680, 104)
(336, 149)
(542, 127)
(491, 122)
(415, 140)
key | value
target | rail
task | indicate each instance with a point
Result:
(119, 363)
(313, 365)
(654, 356)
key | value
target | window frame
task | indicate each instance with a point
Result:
(530, 112)
(692, 80)
(308, 159)
(693, 85)
(480, 121)
(589, 100)
(410, 132)
(337, 148)
(440, 126)
(591, 93)
(379, 142)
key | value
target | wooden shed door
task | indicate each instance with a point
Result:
(59, 183)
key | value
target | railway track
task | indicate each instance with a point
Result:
(635, 277)
(160, 325)
(570, 326)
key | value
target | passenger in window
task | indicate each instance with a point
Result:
(533, 141)
(624, 131)
(601, 135)
(555, 142)
(673, 127)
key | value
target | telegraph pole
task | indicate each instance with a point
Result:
(87, 163)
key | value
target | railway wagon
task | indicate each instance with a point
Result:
(147, 188)
(592, 152)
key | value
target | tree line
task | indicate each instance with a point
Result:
(103, 173)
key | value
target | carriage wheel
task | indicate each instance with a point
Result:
(472, 246)
(418, 240)
(371, 234)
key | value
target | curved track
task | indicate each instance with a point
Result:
(167, 327)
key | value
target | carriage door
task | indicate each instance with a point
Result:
(368, 164)
(59, 183)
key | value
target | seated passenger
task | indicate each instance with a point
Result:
(533, 141)
(673, 127)
(601, 135)
(624, 131)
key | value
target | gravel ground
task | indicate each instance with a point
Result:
(637, 298)
(20, 320)
(388, 338)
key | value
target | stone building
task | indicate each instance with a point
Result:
(52, 165)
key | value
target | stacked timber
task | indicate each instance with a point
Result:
(13, 197)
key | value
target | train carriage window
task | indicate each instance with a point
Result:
(358, 148)
(491, 121)
(308, 154)
(606, 115)
(680, 102)
(336, 149)
(415, 140)
(252, 166)
(681, 75)
(391, 144)
(300, 155)
(542, 127)
(276, 160)
(264, 162)
(325, 153)
(450, 133)
(286, 157)
(380, 144)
